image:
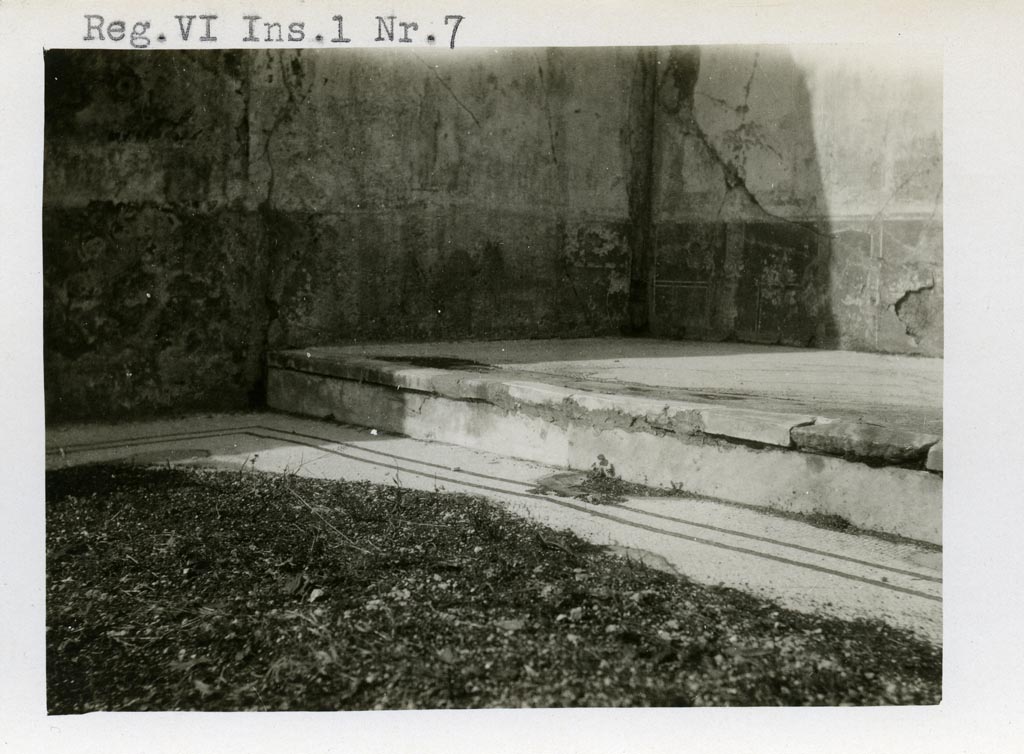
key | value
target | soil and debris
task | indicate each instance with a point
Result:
(190, 589)
(597, 488)
(601, 487)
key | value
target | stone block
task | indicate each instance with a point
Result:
(538, 394)
(753, 426)
(862, 441)
(934, 460)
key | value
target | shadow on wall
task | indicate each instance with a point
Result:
(152, 294)
(797, 201)
(442, 194)
(202, 207)
(742, 227)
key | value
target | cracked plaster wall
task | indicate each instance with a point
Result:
(444, 195)
(798, 196)
(202, 207)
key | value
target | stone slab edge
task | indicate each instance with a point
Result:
(890, 499)
(559, 404)
(864, 441)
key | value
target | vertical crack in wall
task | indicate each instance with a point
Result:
(745, 108)
(242, 133)
(639, 138)
(936, 203)
(296, 94)
(295, 99)
(257, 366)
(547, 112)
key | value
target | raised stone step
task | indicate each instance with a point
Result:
(789, 461)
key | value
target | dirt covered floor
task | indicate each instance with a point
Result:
(187, 589)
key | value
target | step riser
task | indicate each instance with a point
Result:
(889, 499)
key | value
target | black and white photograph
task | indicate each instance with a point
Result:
(553, 377)
(384, 369)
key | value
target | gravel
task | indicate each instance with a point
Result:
(190, 589)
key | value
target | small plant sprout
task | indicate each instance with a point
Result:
(603, 467)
